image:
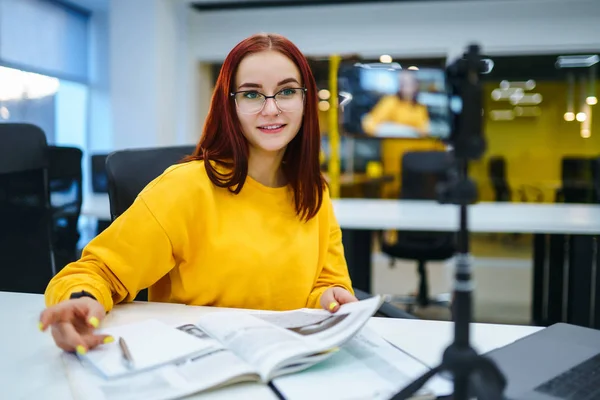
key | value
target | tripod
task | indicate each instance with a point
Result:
(473, 375)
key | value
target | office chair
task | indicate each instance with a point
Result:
(66, 197)
(99, 183)
(596, 178)
(26, 252)
(497, 174)
(99, 179)
(129, 171)
(422, 171)
(577, 186)
(386, 310)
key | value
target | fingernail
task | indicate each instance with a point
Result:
(332, 305)
(81, 350)
(41, 326)
(109, 339)
(94, 322)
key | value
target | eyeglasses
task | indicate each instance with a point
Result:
(252, 102)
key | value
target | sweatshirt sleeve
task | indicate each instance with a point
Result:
(128, 256)
(139, 247)
(334, 271)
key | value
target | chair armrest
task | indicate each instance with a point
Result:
(387, 309)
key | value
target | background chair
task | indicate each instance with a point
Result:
(577, 186)
(26, 253)
(66, 196)
(497, 174)
(99, 183)
(129, 171)
(596, 178)
(421, 173)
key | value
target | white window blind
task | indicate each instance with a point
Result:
(44, 36)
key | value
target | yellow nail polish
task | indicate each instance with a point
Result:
(80, 350)
(109, 339)
(41, 327)
(94, 322)
(332, 305)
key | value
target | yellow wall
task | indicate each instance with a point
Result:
(532, 146)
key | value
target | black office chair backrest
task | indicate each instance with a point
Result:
(129, 171)
(65, 176)
(66, 197)
(26, 254)
(98, 176)
(596, 178)
(577, 186)
(498, 180)
(422, 172)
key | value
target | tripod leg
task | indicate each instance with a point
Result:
(487, 382)
(411, 389)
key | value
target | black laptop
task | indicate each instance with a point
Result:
(557, 363)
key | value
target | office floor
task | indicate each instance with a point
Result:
(502, 275)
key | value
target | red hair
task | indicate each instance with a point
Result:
(223, 143)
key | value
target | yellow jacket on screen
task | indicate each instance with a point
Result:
(395, 110)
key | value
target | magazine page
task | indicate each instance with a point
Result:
(322, 328)
(214, 368)
(150, 344)
(287, 341)
(367, 367)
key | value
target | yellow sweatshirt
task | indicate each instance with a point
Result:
(191, 242)
(395, 110)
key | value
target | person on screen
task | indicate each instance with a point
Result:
(401, 108)
(245, 222)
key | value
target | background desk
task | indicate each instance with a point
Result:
(566, 286)
(31, 367)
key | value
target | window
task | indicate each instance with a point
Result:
(58, 107)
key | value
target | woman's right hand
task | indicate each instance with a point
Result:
(73, 323)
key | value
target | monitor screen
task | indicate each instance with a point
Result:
(390, 102)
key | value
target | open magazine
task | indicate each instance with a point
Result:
(220, 349)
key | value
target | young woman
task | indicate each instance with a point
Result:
(245, 222)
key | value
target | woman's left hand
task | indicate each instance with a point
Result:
(334, 297)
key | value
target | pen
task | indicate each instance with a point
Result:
(126, 353)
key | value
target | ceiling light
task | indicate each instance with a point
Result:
(585, 133)
(324, 105)
(591, 100)
(413, 68)
(385, 58)
(502, 115)
(324, 94)
(581, 116)
(569, 116)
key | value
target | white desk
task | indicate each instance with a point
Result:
(31, 366)
(565, 244)
(489, 217)
(431, 216)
